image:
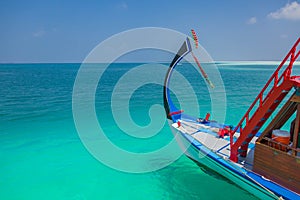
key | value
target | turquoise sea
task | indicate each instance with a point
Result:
(42, 156)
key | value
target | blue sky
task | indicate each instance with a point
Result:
(66, 31)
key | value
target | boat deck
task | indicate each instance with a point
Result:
(207, 135)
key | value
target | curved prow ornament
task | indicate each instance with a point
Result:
(172, 111)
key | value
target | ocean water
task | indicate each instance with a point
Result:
(42, 156)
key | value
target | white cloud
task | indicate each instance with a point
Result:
(123, 5)
(39, 33)
(252, 20)
(289, 11)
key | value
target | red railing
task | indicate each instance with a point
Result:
(286, 74)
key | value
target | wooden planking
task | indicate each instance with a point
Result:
(278, 166)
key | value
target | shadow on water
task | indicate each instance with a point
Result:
(216, 175)
(211, 172)
(185, 180)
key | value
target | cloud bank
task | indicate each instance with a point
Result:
(290, 11)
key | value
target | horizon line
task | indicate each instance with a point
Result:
(217, 61)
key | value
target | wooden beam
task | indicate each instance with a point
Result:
(281, 117)
(296, 129)
(295, 98)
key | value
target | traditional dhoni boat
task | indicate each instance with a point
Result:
(264, 162)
